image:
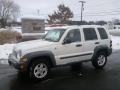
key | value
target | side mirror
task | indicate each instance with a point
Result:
(67, 41)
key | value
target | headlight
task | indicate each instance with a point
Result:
(19, 54)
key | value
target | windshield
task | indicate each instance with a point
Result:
(54, 35)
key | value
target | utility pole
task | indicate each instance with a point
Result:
(82, 8)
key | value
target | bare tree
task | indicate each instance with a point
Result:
(9, 10)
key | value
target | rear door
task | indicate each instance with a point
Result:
(90, 41)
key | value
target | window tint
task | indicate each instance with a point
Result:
(90, 34)
(74, 35)
(102, 33)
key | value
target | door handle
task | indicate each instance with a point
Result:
(97, 42)
(78, 45)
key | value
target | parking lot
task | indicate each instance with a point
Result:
(62, 78)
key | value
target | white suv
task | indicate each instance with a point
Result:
(62, 46)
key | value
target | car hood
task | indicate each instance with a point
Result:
(32, 44)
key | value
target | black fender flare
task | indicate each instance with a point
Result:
(36, 54)
(100, 48)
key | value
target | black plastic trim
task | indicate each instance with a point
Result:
(49, 54)
(76, 56)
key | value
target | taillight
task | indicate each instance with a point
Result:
(110, 43)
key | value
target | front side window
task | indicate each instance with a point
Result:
(54, 35)
(74, 35)
(102, 33)
(90, 34)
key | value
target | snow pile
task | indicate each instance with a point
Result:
(115, 32)
(115, 42)
(17, 29)
(5, 50)
(2, 29)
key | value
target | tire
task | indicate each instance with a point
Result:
(100, 60)
(39, 70)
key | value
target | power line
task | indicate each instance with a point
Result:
(104, 12)
(99, 14)
(102, 4)
(108, 10)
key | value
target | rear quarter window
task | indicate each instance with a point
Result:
(103, 33)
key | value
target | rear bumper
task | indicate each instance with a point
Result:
(109, 51)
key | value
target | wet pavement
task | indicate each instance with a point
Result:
(62, 78)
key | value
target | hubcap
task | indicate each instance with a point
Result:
(40, 70)
(101, 60)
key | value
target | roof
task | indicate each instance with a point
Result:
(72, 26)
(85, 26)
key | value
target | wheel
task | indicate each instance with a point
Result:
(100, 60)
(39, 70)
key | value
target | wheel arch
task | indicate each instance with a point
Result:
(101, 48)
(48, 55)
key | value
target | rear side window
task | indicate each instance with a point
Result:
(90, 34)
(102, 33)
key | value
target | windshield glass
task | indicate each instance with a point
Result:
(54, 35)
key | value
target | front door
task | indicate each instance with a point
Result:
(71, 50)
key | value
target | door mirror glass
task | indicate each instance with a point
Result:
(67, 41)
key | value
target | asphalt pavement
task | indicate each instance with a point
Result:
(63, 78)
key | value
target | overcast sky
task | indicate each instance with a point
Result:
(93, 9)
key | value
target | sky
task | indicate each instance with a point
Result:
(94, 10)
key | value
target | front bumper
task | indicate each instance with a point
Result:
(22, 66)
(13, 62)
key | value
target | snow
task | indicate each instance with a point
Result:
(2, 29)
(18, 29)
(6, 49)
(115, 42)
(115, 32)
(32, 17)
(33, 34)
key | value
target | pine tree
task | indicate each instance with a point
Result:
(61, 16)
